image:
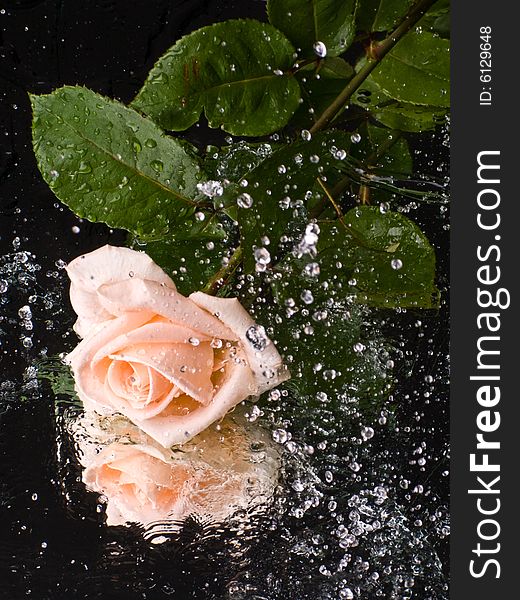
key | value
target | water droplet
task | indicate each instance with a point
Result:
(84, 167)
(194, 341)
(307, 297)
(306, 135)
(320, 49)
(396, 264)
(211, 188)
(280, 436)
(355, 138)
(150, 143)
(157, 165)
(200, 216)
(257, 336)
(367, 433)
(245, 200)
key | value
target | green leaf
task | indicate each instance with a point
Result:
(281, 187)
(402, 116)
(305, 22)
(191, 262)
(386, 257)
(336, 362)
(237, 71)
(381, 152)
(108, 163)
(381, 259)
(381, 15)
(409, 117)
(417, 70)
(320, 87)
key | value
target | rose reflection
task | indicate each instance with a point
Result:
(227, 468)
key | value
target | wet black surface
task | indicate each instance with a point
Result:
(53, 544)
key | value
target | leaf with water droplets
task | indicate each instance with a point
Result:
(237, 71)
(381, 259)
(191, 257)
(282, 187)
(383, 152)
(416, 70)
(108, 163)
(385, 259)
(381, 15)
(402, 116)
(306, 22)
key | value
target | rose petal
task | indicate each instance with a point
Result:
(90, 382)
(137, 294)
(188, 367)
(150, 333)
(266, 364)
(169, 429)
(108, 264)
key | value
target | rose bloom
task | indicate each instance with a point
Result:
(213, 476)
(172, 365)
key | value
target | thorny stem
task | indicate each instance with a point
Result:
(376, 54)
(223, 274)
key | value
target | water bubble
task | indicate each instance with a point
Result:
(200, 216)
(355, 138)
(262, 256)
(315, 159)
(194, 341)
(367, 433)
(280, 436)
(320, 49)
(157, 166)
(306, 135)
(25, 312)
(257, 336)
(245, 201)
(75, 229)
(359, 347)
(3, 286)
(211, 188)
(340, 154)
(311, 269)
(307, 297)
(396, 264)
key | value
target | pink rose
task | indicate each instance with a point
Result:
(213, 476)
(172, 365)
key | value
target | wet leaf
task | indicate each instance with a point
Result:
(416, 70)
(381, 15)
(274, 202)
(109, 164)
(409, 117)
(402, 116)
(383, 151)
(236, 71)
(305, 22)
(378, 258)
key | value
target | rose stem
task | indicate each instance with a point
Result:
(223, 274)
(377, 52)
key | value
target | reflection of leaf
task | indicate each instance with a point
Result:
(307, 21)
(109, 164)
(236, 71)
(281, 187)
(416, 70)
(381, 259)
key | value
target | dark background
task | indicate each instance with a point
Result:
(109, 46)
